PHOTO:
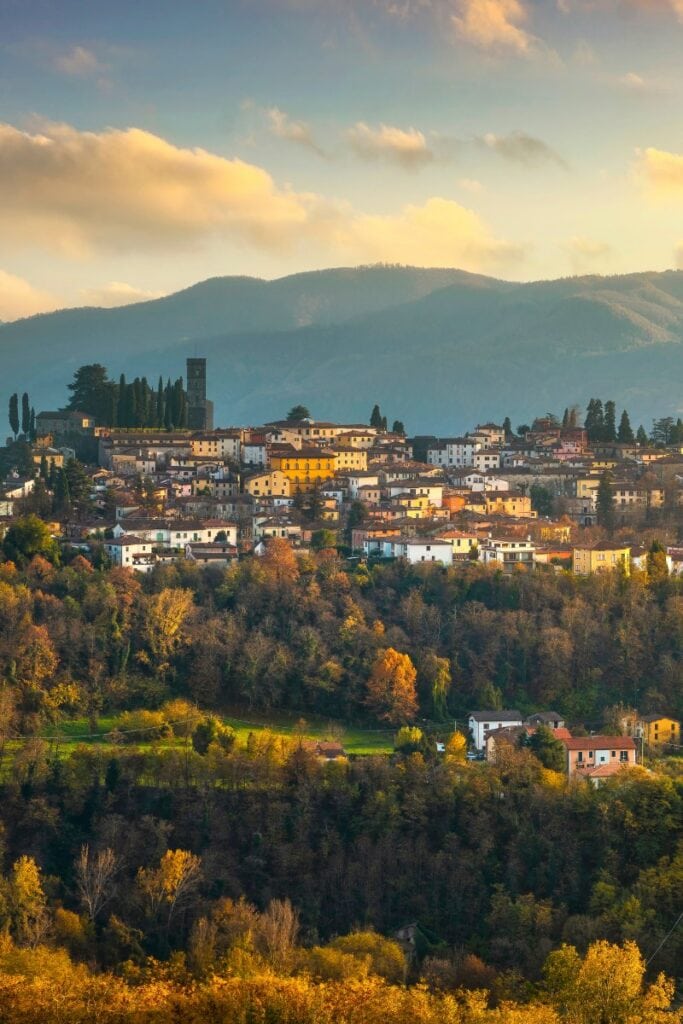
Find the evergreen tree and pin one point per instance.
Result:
(610, 422)
(507, 427)
(168, 405)
(625, 433)
(384, 424)
(32, 426)
(130, 412)
(90, 391)
(565, 419)
(160, 403)
(14, 414)
(595, 422)
(121, 402)
(25, 415)
(661, 430)
(62, 496)
(398, 428)
(641, 436)
(297, 413)
(376, 418)
(605, 502)
(44, 470)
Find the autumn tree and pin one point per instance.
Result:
(171, 887)
(391, 691)
(30, 919)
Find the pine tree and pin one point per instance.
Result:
(398, 428)
(594, 422)
(376, 418)
(641, 436)
(14, 414)
(625, 433)
(62, 497)
(32, 427)
(565, 419)
(507, 427)
(384, 424)
(168, 405)
(25, 415)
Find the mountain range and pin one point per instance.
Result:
(439, 349)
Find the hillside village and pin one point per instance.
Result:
(544, 497)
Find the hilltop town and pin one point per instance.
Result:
(574, 494)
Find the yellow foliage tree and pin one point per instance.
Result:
(392, 695)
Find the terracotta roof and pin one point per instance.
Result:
(599, 743)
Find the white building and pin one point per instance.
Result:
(480, 723)
(507, 552)
(454, 451)
(131, 552)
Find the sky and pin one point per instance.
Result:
(149, 144)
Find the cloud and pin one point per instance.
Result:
(83, 192)
(632, 81)
(661, 173)
(587, 254)
(18, 298)
(116, 293)
(119, 189)
(496, 26)
(470, 185)
(441, 232)
(299, 132)
(407, 147)
(79, 62)
(522, 148)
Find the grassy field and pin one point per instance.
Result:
(355, 740)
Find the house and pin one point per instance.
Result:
(267, 482)
(586, 753)
(462, 543)
(480, 723)
(658, 730)
(507, 553)
(423, 549)
(216, 555)
(601, 557)
(131, 552)
(66, 421)
(509, 734)
(551, 719)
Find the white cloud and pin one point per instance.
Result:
(282, 125)
(116, 293)
(79, 62)
(405, 146)
(632, 81)
(496, 26)
(470, 185)
(18, 298)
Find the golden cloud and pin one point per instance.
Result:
(496, 25)
(407, 147)
(77, 190)
(284, 127)
(660, 172)
(18, 298)
(82, 192)
(441, 232)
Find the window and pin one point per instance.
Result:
(614, 753)
(579, 756)
(623, 755)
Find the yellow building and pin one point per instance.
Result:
(657, 730)
(51, 455)
(304, 467)
(508, 503)
(586, 486)
(269, 483)
(601, 557)
(350, 458)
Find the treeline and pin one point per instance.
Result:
(386, 643)
(260, 858)
(128, 404)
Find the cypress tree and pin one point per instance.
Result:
(25, 415)
(121, 402)
(605, 502)
(160, 403)
(32, 428)
(625, 432)
(376, 418)
(610, 422)
(14, 414)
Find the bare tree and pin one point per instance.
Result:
(277, 931)
(96, 879)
